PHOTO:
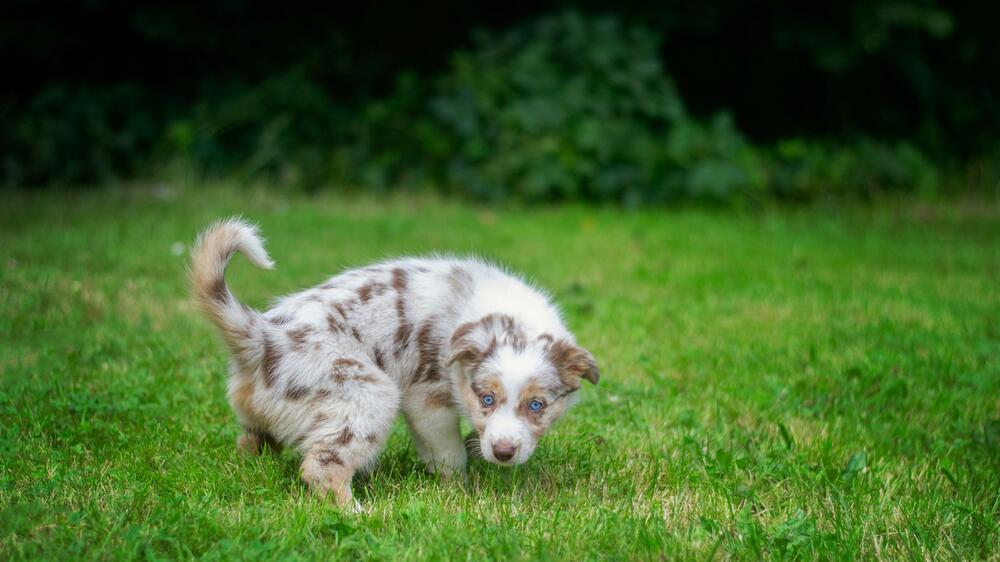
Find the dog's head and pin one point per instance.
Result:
(514, 387)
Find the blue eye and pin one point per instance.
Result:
(535, 405)
(487, 399)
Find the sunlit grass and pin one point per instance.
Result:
(814, 384)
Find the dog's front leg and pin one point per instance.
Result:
(437, 437)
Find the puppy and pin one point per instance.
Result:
(328, 369)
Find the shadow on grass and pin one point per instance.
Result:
(399, 471)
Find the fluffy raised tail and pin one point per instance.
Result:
(212, 252)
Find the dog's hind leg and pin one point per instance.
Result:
(352, 418)
(252, 442)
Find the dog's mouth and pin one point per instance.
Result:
(498, 462)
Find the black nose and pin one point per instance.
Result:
(504, 450)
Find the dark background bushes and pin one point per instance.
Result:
(723, 101)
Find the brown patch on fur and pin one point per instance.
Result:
(510, 333)
(356, 334)
(373, 288)
(345, 369)
(485, 385)
(438, 399)
(399, 279)
(342, 369)
(296, 392)
(464, 330)
(335, 325)
(533, 389)
(326, 474)
(297, 336)
(341, 310)
(505, 320)
(379, 358)
(321, 394)
(490, 349)
(402, 338)
(281, 319)
(218, 291)
(242, 396)
(428, 367)
(345, 362)
(269, 362)
(547, 338)
(242, 335)
(572, 363)
(371, 437)
(345, 437)
(328, 457)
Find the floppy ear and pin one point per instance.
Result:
(573, 363)
(471, 343)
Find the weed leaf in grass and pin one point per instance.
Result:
(855, 465)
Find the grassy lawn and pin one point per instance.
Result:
(804, 383)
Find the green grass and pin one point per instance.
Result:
(777, 384)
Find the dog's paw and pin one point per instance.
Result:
(459, 475)
(444, 473)
(249, 444)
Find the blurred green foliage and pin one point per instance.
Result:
(568, 106)
(81, 135)
(283, 128)
(803, 169)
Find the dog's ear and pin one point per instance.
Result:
(471, 343)
(573, 363)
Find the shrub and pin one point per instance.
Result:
(564, 107)
(802, 169)
(561, 108)
(284, 128)
(78, 135)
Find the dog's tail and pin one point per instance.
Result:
(212, 252)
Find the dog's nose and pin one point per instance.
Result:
(504, 450)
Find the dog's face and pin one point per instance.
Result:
(513, 388)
